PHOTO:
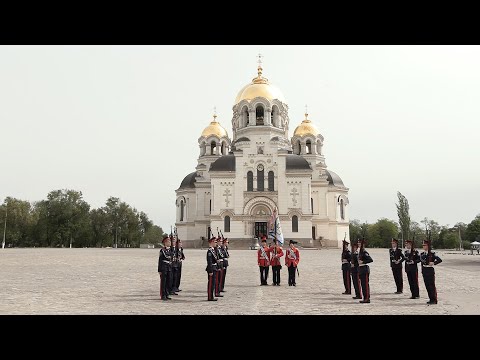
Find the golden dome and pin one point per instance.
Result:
(306, 128)
(259, 87)
(214, 129)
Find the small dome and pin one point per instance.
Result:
(224, 163)
(259, 87)
(214, 129)
(306, 128)
(189, 181)
(333, 178)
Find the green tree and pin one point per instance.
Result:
(154, 235)
(403, 215)
(434, 228)
(381, 233)
(19, 222)
(355, 230)
(473, 230)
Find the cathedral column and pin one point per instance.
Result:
(252, 118)
(303, 148)
(268, 116)
(314, 148)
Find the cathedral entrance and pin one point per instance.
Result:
(261, 229)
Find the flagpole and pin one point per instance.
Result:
(5, 227)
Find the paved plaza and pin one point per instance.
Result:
(125, 281)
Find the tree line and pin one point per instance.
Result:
(64, 219)
(381, 233)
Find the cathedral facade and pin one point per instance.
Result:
(239, 182)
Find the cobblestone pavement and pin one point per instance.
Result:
(125, 281)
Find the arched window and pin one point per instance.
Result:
(260, 179)
(309, 147)
(259, 112)
(250, 181)
(311, 204)
(294, 223)
(226, 224)
(271, 181)
(342, 210)
(213, 148)
(181, 210)
(210, 206)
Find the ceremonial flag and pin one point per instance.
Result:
(275, 228)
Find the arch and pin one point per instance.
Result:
(213, 148)
(260, 180)
(226, 224)
(250, 205)
(182, 210)
(271, 181)
(294, 223)
(308, 147)
(342, 209)
(250, 181)
(259, 114)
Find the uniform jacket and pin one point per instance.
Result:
(396, 255)
(425, 261)
(411, 265)
(211, 260)
(164, 260)
(346, 258)
(226, 255)
(263, 260)
(276, 253)
(219, 253)
(292, 257)
(354, 261)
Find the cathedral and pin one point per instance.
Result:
(239, 182)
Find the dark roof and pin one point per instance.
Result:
(275, 138)
(243, 139)
(189, 181)
(224, 163)
(296, 162)
(333, 178)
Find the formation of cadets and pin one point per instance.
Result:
(355, 267)
(170, 266)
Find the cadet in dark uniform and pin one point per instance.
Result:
(412, 258)
(218, 279)
(292, 258)
(354, 271)
(364, 258)
(276, 253)
(211, 268)
(428, 259)
(226, 255)
(396, 259)
(346, 258)
(263, 260)
(165, 268)
(174, 253)
(180, 258)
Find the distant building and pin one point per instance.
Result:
(238, 183)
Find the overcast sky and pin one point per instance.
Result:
(124, 120)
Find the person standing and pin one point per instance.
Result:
(165, 268)
(218, 279)
(174, 253)
(180, 258)
(211, 268)
(412, 258)
(364, 258)
(346, 258)
(292, 258)
(263, 260)
(276, 253)
(396, 259)
(226, 255)
(428, 259)
(354, 271)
